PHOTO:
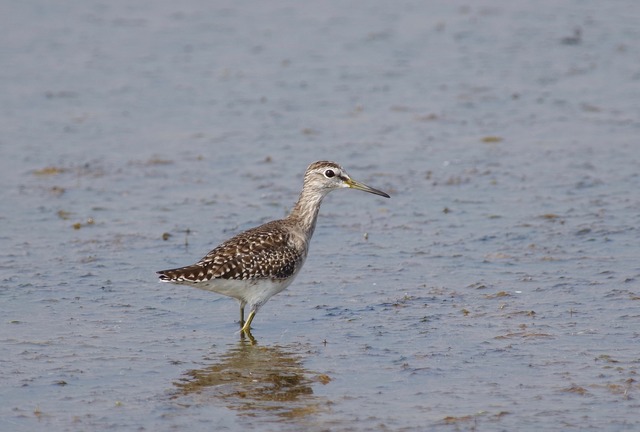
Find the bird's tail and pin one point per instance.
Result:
(193, 273)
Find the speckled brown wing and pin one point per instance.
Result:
(265, 252)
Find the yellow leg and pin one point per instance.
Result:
(241, 315)
(248, 334)
(247, 325)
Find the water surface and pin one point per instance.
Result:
(498, 289)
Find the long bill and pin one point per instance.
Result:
(363, 187)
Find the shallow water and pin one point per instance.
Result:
(498, 289)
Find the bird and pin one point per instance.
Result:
(261, 262)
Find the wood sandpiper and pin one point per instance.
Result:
(259, 263)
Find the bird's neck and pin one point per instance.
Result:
(305, 212)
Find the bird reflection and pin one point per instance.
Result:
(256, 381)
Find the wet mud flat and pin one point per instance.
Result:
(498, 289)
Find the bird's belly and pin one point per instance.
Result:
(252, 292)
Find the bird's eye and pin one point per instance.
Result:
(329, 173)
